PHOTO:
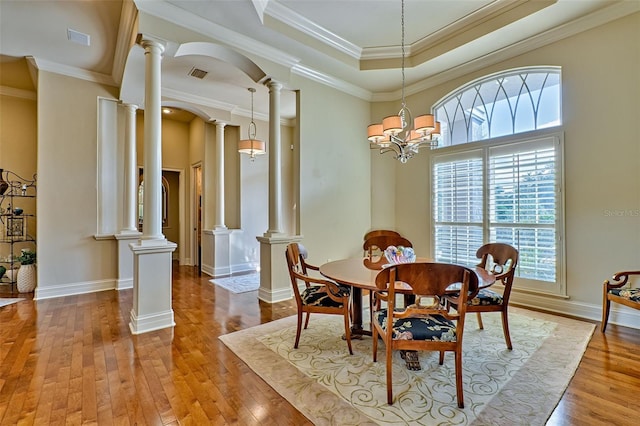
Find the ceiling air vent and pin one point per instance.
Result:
(198, 73)
(78, 37)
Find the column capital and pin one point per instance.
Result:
(220, 123)
(149, 44)
(130, 107)
(274, 85)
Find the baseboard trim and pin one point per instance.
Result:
(147, 323)
(49, 292)
(123, 284)
(274, 296)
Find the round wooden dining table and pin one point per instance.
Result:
(352, 272)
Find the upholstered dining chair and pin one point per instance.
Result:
(375, 246)
(619, 290)
(427, 324)
(501, 260)
(318, 295)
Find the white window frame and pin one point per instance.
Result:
(557, 287)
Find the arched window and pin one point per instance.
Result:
(492, 182)
(507, 103)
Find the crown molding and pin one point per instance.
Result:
(54, 67)
(300, 23)
(183, 18)
(333, 82)
(593, 20)
(18, 93)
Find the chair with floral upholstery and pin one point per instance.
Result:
(501, 260)
(375, 246)
(318, 295)
(620, 291)
(428, 323)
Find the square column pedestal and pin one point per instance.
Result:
(216, 252)
(151, 286)
(275, 283)
(125, 259)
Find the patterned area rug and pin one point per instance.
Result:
(239, 283)
(5, 302)
(501, 387)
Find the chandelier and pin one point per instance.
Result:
(252, 146)
(395, 134)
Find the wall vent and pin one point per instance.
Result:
(198, 73)
(78, 37)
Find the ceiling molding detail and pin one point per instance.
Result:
(127, 32)
(18, 93)
(183, 18)
(595, 19)
(300, 23)
(54, 67)
(333, 82)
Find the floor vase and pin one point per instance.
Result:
(26, 280)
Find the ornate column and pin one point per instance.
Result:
(220, 175)
(275, 161)
(275, 285)
(152, 253)
(129, 231)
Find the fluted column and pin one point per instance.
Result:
(152, 213)
(219, 219)
(275, 161)
(130, 170)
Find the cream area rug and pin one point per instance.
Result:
(501, 387)
(6, 301)
(239, 283)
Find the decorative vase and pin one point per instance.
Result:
(4, 185)
(26, 280)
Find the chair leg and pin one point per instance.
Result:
(306, 323)
(298, 329)
(374, 339)
(347, 329)
(606, 305)
(505, 329)
(459, 377)
(480, 325)
(441, 358)
(389, 355)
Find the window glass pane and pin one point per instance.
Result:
(457, 243)
(514, 102)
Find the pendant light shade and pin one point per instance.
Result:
(252, 146)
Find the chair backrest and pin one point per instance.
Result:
(429, 281)
(297, 267)
(374, 248)
(498, 258)
(379, 232)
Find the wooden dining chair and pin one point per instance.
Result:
(374, 248)
(427, 324)
(318, 295)
(619, 290)
(379, 232)
(501, 260)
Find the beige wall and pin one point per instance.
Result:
(68, 254)
(335, 189)
(601, 88)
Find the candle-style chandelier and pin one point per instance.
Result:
(395, 133)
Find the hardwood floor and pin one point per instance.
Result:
(72, 360)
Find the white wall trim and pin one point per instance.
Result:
(146, 323)
(619, 315)
(123, 284)
(70, 289)
(275, 296)
(18, 93)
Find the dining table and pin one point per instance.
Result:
(353, 272)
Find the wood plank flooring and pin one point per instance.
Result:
(73, 360)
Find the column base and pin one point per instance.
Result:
(216, 252)
(125, 258)
(151, 286)
(275, 283)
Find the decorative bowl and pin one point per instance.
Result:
(399, 254)
(17, 211)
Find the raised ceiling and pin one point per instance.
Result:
(353, 45)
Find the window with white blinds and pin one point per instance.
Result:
(502, 192)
